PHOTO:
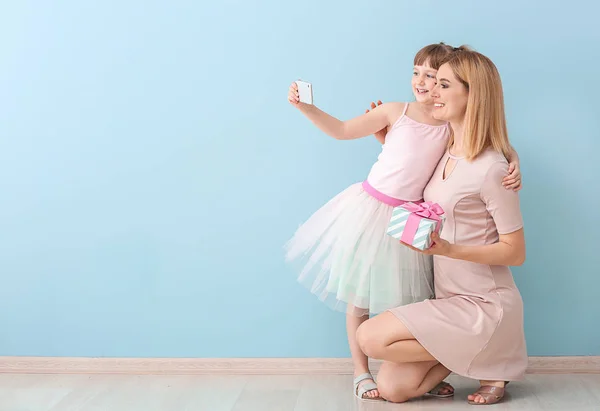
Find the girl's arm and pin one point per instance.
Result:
(381, 134)
(357, 127)
(513, 156)
(513, 180)
(361, 126)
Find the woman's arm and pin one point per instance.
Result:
(509, 250)
(503, 207)
(358, 127)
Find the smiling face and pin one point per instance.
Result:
(469, 96)
(423, 82)
(450, 96)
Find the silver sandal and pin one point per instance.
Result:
(435, 392)
(366, 387)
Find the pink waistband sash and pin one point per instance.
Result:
(384, 198)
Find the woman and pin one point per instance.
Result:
(474, 327)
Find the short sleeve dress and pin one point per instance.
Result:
(475, 325)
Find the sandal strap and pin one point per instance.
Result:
(490, 393)
(366, 387)
(362, 377)
(436, 390)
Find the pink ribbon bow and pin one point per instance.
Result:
(427, 209)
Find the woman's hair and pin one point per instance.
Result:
(433, 54)
(485, 120)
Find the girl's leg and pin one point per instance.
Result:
(401, 382)
(360, 360)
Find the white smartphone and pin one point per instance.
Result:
(305, 91)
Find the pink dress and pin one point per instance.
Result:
(343, 253)
(474, 327)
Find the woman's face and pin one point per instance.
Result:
(450, 96)
(423, 81)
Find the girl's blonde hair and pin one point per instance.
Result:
(485, 120)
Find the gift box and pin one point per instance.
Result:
(413, 223)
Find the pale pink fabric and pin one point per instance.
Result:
(475, 325)
(408, 158)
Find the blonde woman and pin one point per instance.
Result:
(474, 327)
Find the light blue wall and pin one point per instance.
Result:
(151, 169)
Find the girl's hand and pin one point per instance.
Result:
(439, 247)
(513, 179)
(293, 95)
(379, 135)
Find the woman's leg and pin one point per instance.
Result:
(490, 397)
(385, 337)
(360, 360)
(401, 382)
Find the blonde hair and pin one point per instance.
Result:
(433, 54)
(485, 120)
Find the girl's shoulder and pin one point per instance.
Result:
(395, 110)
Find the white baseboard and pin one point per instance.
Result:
(233, 366)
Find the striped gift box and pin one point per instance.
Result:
(419, 227)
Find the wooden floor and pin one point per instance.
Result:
(266, 393)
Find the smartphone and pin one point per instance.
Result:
(305, 91)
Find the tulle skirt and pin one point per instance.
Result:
(349, 262)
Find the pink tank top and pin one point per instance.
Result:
(408, 159)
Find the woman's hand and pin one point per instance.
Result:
(509, 250)
(439, 247)
(379, 135)
(513, 180)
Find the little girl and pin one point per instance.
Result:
(348, 260)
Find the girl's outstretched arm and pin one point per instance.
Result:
(361, 126)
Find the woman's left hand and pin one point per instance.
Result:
(379, 135)
(439, 247)
(513, 180)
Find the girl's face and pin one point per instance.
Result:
(450, 96)
(423, 81)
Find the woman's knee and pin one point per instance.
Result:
(402, 382)
(367, 340)
(392, 391)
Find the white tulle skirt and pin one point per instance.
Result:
(349, 262)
